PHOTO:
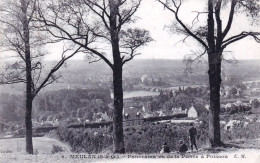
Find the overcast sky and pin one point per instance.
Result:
(153, 17)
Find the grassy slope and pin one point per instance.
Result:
(42, 144)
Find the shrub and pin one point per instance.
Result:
(56, 149)
(146, 139)
(36, 152)
(251, 131)
(53, 134)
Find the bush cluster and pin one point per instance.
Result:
(147, 138)
(56, 149)
(240, 131)
(84, 140)
(150, 138)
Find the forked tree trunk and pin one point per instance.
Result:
(215, 82)
(214, 61)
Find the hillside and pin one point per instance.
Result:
(43, 145)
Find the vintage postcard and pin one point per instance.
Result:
(130, 80)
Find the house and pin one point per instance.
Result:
(179, 110)
(145, 108)
(238, 106)
(229, 126)
(207, 107)
(160, 113)
(222, 123)
(147, 115)
(105, 117)
(168, 112)
(102, 117)
(197, 110)
(192, 112)
(132, 116)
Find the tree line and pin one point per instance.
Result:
(60, 105)
(90, 27)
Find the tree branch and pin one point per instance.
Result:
(103, 9)
(219, 24)
(230, 19)
(53, 70)
(65, 35)
(181, 23)
(241, 36)
(128, 14)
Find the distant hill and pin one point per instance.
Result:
(78, 71)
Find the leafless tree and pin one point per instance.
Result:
(99, 27)
(214, 37)
(21, 38)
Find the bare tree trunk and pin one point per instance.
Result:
(28, 124)
(117, 81)
(29, 91)
(118, 98)
(118, 109)
(215, 82)
(29, 100)
(29, 97)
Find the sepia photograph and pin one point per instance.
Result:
(129, 81)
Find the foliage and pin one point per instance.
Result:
(56, 104)
(11, 108)
(84, 140)
(184, 98)
(255, 104)
(56, 149)
(147, 138)
(240, 131)
(68, 100)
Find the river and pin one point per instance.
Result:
(131, 94)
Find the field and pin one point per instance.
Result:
(42, 145)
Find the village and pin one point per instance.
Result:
(238, 101)
(168, 105)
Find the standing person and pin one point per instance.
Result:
(193, 135)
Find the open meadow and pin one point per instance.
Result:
(42, 145)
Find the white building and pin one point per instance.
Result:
(192, 112)
(231, 124)
(197, 110)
